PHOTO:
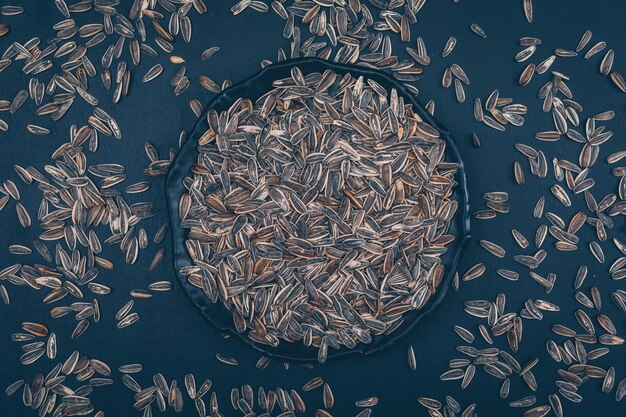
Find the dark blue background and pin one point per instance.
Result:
(172, 337)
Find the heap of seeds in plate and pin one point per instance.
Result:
(320, 212)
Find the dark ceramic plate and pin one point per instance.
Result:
(253, 88)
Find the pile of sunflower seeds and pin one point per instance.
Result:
(78, 199)
(351, 32)
(579, 350)
(320, 212)
(52, 393)
(65, 67)
(451, 407)
(285, 402)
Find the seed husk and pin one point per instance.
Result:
(411, 358)
(478, 30)
(528, 10)
(493, 248)
(152, 73)
(449, 47)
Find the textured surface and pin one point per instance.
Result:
(174, 339)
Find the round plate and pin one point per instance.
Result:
(253, 88)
